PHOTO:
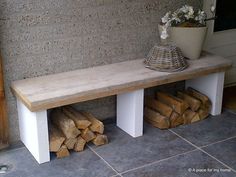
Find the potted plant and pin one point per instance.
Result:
(186, 28)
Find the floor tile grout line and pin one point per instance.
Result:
(117, 173)
(183, 138)
(158, 161)
(203, 151)
(221, 141)
(230, 111)
(218, 160)
(232, 137)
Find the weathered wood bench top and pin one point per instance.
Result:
(56, 90)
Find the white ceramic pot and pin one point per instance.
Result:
(190, 40)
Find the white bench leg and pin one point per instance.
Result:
(130, 112)
(212, 86)
(34, 132)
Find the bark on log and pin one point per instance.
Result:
(80, 120)
(158, 106)
(97, 125)
(177, 104)
(156, 119)
(66, 125)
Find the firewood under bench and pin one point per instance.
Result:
(126, 79)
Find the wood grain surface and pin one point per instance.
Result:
(3, 112)
(66, 88)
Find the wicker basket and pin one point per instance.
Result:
(167, 58)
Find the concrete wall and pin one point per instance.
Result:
(50, 36)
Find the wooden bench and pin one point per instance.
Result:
(127, 80)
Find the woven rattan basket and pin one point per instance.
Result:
(167, 58)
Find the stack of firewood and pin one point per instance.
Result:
(168, 111)
(71, 130)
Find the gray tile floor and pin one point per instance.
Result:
(203, 149)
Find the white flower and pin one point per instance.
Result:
(164, 34)
(187, 16)
(190, 13)
(201, 17)
(190, 10)
(213, 8)
(175, 17)
(184, 14)
(166, 18)
(186, 9)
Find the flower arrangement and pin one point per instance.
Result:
(185, 16)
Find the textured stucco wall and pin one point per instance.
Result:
(50, 36)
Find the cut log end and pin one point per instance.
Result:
(190, 116)
(96, 126)
(70, 143)
(79, 145)
(63, 152)
(87, 135)
(100, 140)
(64, 131)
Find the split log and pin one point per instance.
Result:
(66, 125)
(97, 125)
(177, 104)
(158, 106)
(56, 139)
(70, 142)
(203, 98)
(203, 114)
(87, 135)
(80, 120)
(176, 119)
(62, 152)
(190, 116)
(204, 111)
(193, 102)
(79, 145)
(100, 140)
(206, 107)
(156, 119)
(206, 103)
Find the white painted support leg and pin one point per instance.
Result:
(130, 112)
(211, 85)
(34, 132)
